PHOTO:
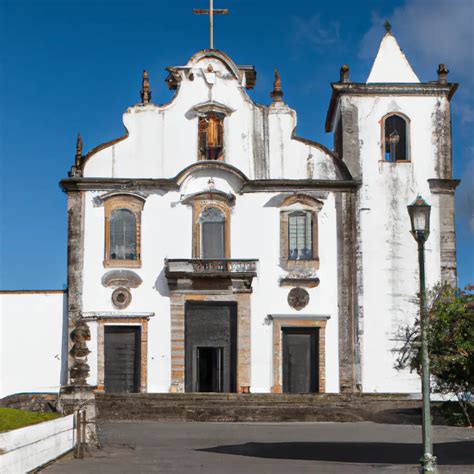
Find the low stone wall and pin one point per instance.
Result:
(42, 402)
(27, 448)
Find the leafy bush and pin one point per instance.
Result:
(450, 343)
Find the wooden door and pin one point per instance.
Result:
(300, 360)
(122, 359)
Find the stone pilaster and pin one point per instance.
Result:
(349, 350)
(75, 264)
(444, 189)
(76, 394)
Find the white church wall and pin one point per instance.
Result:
(31, 331)
(163, 142)
(163, 139)
(167, 233)
(389, 252)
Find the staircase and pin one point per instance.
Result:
(233, 407)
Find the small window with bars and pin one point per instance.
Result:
(300, 245)
(211, 137)
(395, 138)
(122, 235)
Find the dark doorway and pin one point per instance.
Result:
(300, 360)
(122, 359)
(209, 366)
(210, 347)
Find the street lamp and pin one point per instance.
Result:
(419, 212)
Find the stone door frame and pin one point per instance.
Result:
(178, 300)
(281, 321)
(108, 319)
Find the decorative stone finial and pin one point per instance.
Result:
(443, 74)
(276, 94)
(146, 90)
(388, 26)
(344, 74)
(78, 150)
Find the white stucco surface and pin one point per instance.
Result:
(389, 252)
(156, 148)
(27, 448)
(250, 211)
(391, 64)
(31, 341)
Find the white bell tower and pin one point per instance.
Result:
(394, 134)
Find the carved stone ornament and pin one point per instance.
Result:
(80, 369)
(121, 278)
(121, 298)
(277, 94)
(298, 298)
(145, 92)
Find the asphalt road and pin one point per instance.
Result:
(288, 448)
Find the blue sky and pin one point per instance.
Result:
(69, 66)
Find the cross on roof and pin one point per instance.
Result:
(211, 12)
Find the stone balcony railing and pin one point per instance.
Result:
(205, 267)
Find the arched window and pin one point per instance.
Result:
(300, 245)
(212, 223)
(211, 136)
(299, 233)
(122, 235)
(395, 138)
(123, 213)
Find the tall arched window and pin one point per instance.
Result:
(123, 213)
(299, 233)
(212, 223)
(211, 136)
(122, 235)
(300, 245)
(395, 138)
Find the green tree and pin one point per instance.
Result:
(450, 341)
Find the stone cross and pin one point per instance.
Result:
(211, 12)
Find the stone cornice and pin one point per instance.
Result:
(396, 89)
(171, 184)
(277, 185)
(443, 186)
(303, 317)
(95, 315)
(120, 184)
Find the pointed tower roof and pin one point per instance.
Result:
(390, 64)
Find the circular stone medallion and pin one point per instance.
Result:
(121, 298)
(298, 298)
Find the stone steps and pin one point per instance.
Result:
(258, 407)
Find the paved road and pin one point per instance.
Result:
(288, 448)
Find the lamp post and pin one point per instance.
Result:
(419, 212)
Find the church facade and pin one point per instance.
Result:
(211, 249)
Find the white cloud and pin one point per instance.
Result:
(430, 32)
(465, 194)
(310, 32)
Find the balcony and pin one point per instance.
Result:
(224, 272)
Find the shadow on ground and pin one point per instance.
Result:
(455, 453)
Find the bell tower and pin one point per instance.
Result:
(394, 134)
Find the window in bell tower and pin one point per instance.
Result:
(395, 138)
